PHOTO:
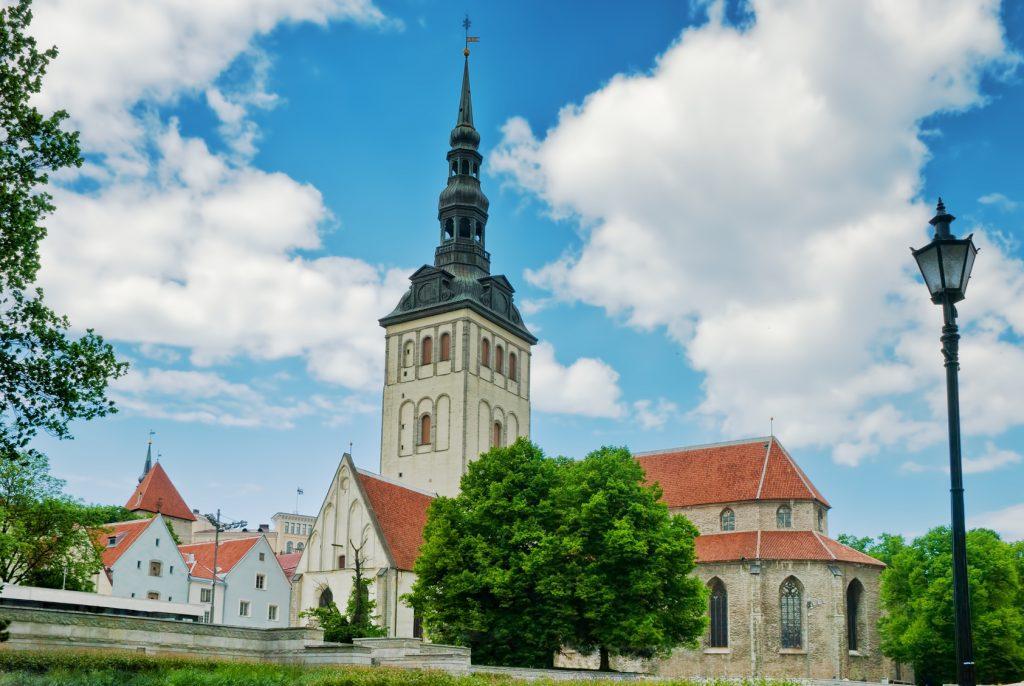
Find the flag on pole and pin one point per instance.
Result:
(299, 491)
(472, 39)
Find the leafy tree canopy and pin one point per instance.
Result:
(47, 376)
(917, 596)
(537, 553)
(357, 622)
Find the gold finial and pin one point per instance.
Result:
(465, 51)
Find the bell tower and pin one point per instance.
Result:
(457, 360)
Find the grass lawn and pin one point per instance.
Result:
(109, 668)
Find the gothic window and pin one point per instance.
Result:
(853, 595)
(719, 610)
(449, 229)
(791, 614)
(485, 353)
(499, 359)
(512, 366)
(728, 518)
(408, 354)
(446, 347)
(463, 227)
(427, 352)
(326, 598)
(425, 430)
(496, 437)
(784, 517)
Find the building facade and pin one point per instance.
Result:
(291, 531)
(141, 560)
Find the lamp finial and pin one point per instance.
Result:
(941, 221)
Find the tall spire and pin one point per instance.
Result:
(466, 101)
(149, 457)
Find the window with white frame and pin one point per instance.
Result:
(205, 595)
(243, 608)
(261, 581)
(272, 613)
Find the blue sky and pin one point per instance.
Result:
(705, 210)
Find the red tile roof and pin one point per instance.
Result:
(757, 469)
(401, 513)
(199, 556)
(777, 545)
(156, 493)
(124, 534)
(288, 561)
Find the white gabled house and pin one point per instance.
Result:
(141, 560)
(252, 588)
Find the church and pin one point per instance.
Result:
(785, 599)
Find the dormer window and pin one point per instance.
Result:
(111, 541)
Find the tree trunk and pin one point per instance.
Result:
(605, 661)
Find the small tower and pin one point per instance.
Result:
(457, 367)
(149, 457)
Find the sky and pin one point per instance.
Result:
(705, 209)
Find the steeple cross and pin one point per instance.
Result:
(466, 23)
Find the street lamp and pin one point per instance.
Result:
(946, 264)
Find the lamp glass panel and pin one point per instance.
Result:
(971, 252)
(928, 260)
(954, 257)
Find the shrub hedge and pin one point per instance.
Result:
(115, 668)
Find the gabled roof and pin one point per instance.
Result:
(754, 469)
(288, 562)
(123, 533)
(156, 493)
(199, 556)
(777, 545)
(401, 515)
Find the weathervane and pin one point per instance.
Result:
(466, 23)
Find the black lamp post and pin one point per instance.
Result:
(946, 265)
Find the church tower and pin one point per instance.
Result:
(457, 363)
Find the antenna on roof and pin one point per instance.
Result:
(771, 427)
(350, 447)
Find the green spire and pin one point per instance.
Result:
(149, 457)
(466, 101)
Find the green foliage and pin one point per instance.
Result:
(882, 548)
(626, 561)
(486, 574)
(44, 534)
(108, 514)
(116, 668)
(5, 635)
(357, 622)
(917, 596)
(536, 553)
(47, 378)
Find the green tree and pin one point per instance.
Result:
(487, 574)
(47, 377)
(357, 622)
(917, 597)
(627, 562)
(44, 534)
(883, 548)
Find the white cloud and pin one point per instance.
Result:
(588, 387)
(992, 459)
(652, 414)
(209, 398)
(999, 200)
(1009, 521)
(116, 54)
(754, 195)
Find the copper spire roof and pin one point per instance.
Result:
(754, 469)
(156, 493)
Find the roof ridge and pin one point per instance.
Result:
(822, 544)
(764, 467)
(803, 477)
(701, 446)
(220, 543)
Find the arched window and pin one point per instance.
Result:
(512, 366)
(463, 227)
(289, 547)
(485, 352)
(446, 347)
(496, 437)
(719, 610)
(499, 359)
(784, 517)
(465, 166)
(728, 518)
(326, 598)
(476, 169)
(854, 592)
(821, 519)
(449, 229)
(407, 354)
(427, 352)
(479, 235)
(300, 546)
(425, 430)
(791, 614)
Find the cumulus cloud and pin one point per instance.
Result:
(589, 387)
(651, 414)
(754, 194)
(1009, 521)
(992, 459)
(999, 200)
